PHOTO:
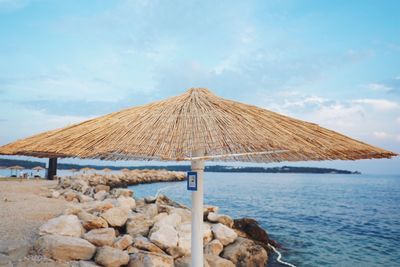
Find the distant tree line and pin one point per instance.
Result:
(215, 168)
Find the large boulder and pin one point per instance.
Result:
(217, 218)
(138, 225)
(123, 242)
(101, 237)
(117, 192)
(97, 206)
(184, 235)
(186, 262)
(67, 248)
(102, 187)
(164, 236)
(223, 233)
(111, 257)
(150, 259)
(90, 221)
(87, 264)
(254, 231)
(172, 220)
(215, 247)
(150, 210)
(127, 202)
(115, 216)
(245, 252)
(143, 243)
(101, 195)
(68, 225)
(217, 261)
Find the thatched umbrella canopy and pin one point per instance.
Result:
(196, 126)
(124, 170)
(16, 167)
(86, 169)
(173, 128)
(38, 168)
(73, 170)
(106, 170)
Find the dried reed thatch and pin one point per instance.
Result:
(196, 120)
(16, 167)
(106, 170)
(38, 168)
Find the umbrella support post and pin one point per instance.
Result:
(52, 170)
(197, 213)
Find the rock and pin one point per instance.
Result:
(150, 210)
(245, 252)
(127, 202)
(138, 225)
(5, 261)
(208, 208)
(101, 237)
(102, 187)
(164, 200)
(115, 216)
(216, 218)
(254, 231)
(186, 262)
(185, 214)
(83, 198)
(217, 261)
(123, 242)
(97, 206)
(14, 249)
(90, 221)
(171, 220)
(131, 250)
(80, 186)
(150, 259)
(150, 200)
(55, 194)
(60, 247)
(101, 195)
(177, 252)
(111, 257)
(72, 210)
(70, 196)
(117, 192)
(184, 234)
(215, 247)
(164, 236)
(68, 225)
(143, 243)
(223, 233)
(88, 264)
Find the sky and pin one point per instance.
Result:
(334, 63)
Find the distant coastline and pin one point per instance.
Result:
(215, 168)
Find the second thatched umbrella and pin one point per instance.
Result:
(196, 126)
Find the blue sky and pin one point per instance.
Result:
(335, 63)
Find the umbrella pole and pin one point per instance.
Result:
(197, 213)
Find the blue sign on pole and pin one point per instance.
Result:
(192, 181)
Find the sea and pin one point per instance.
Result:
(320, 220)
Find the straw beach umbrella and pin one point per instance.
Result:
(85, 169)
(196, 126)
(16, 168)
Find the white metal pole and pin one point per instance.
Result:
(197, 212)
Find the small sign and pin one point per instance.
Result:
(192, 181)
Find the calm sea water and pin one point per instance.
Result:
(321, 220)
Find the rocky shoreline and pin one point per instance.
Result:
(105, 226)
(130, 177)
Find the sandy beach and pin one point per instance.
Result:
(23, 208)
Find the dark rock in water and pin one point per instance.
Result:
(254, 231)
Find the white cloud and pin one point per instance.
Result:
(398, 120)
(378, 104)
(378, 87)
(382, 135)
